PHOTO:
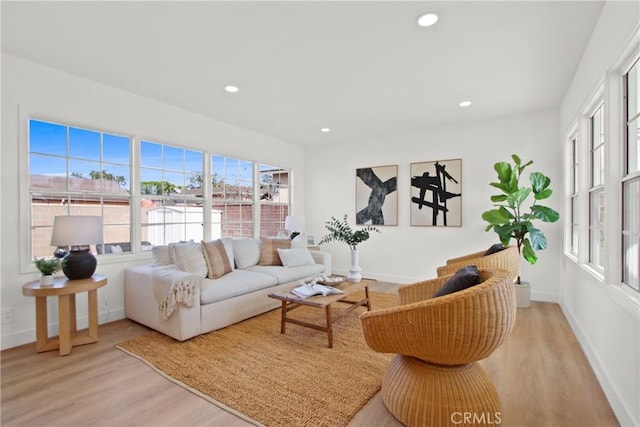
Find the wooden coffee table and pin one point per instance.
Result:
(291, 302)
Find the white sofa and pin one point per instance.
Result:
(231, 298)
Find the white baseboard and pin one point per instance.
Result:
(544, 297)
(625, 416)
(29, 335)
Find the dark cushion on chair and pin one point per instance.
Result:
(464, 278)
(494, 249)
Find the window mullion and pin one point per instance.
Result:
(136, 196)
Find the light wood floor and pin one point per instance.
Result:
(541, 374)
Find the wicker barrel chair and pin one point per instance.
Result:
(435, 375)
(506, 259)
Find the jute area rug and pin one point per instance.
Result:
(272, 379)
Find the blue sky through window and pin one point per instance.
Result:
(82, 147)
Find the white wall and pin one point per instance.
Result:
(404, 253)
(30, 89)
(605, 318)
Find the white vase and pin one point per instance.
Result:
(354, 268)
(46, 280)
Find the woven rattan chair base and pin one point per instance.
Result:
(418, 393)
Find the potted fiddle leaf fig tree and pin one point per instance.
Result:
(514, 214)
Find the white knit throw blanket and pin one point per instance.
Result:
(171, 287)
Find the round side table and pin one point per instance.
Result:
(66, 291)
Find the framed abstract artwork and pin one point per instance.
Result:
(436, 193)
(377, 195)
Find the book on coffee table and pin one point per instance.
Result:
(306, 291)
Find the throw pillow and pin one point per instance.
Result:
(161, 255)
(116, 249)
(464, 278)
(189, 258)
(215, 255)
(228, 245)
(246, 252)
(269, 250)
(494, 249)
(295, 257)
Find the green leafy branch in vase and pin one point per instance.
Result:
(341, 231)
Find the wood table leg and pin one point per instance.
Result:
(366, 295)
(64, 323)
(283, 318)
(73, 325)
(93, 314)
(42, 327)
(329, 326)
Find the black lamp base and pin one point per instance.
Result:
(79, 264)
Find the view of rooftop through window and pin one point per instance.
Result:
(76, 171)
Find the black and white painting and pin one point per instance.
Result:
(377, 195)
(436, 193)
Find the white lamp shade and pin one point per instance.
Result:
(294, 223)
(77, 230)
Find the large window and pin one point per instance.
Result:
(75, 171)
(274, 200)
(171, 190)
(596, 191)
(631, 182)
(232, 197)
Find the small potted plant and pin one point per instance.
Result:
(47, 266)
(511, 219)
(341, 231)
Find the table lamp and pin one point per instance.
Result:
(295, 224)
(77, 232)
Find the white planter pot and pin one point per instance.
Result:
(354, 268)
(46, 280)
(523, 294)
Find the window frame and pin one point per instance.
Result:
(573, 194)
(278, 207)
(182, 199)
(595, 227)
(628, 176)
(25, 218)
(99, 197)
(239, 202)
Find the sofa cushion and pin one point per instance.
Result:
(246, 252)
(464, 278)
(228, 245)
(238, 282)
(216, 258)
(284, 275)
(295, 257)
(189, 257)
(269, 250)
(161, 255)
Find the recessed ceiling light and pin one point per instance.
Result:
(231, 89)
(325, 130)
(465, 103)
(427, 19)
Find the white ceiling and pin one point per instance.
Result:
(361, 68)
